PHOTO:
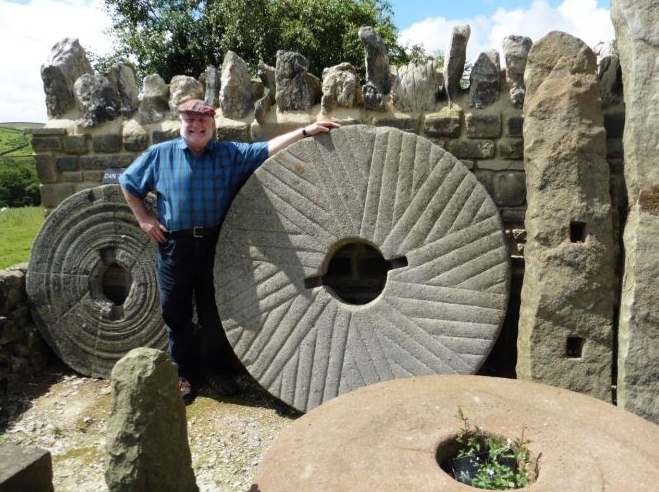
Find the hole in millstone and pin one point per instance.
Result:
(574, 347)
(116, 282)
(577, 232)
(487, 461)
(357, 273)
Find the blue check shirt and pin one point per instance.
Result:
(193, 191)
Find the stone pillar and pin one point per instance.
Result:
(147, 437)
(565, 323)
(637, 32)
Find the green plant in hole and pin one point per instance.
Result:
(57, 432)
(507, 463)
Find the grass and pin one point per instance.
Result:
(19, 228)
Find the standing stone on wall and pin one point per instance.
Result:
(637, 32)
(340, 87)
(122, 75)
(378, 78)
(293, 92)
(155, 99)
(454, 62)
(236, 87)
(262, 106)
(147, 437)
(67, 62)
(97, 99)
(516, 51)
(566, 313)
(212, 86)
(609, 73)
(485, 80)
(415, 87)
(315, 87)
(183, 88)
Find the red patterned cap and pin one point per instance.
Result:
(196, 106)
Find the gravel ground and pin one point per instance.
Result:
(67, 414)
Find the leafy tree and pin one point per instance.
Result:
(183, 37)
(19, 186)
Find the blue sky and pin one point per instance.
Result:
(420, 21)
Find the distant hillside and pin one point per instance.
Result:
(13, 142)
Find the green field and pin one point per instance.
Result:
(19, 225)
(19, 228)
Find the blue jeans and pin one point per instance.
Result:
(185, 274)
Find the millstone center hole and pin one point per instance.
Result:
(492, 462)
(357, 273)
(116, 282)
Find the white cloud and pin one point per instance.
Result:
(581, 18)
(27, 34)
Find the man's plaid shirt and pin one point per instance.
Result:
(193, 191)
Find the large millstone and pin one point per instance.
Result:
(390, 437)
(92, 284)
(362, 255)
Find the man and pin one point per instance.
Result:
(195, 178)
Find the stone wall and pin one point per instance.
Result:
(22, 349)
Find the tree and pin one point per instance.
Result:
(19, 186)
(183, 37)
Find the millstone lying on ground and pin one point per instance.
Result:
(443, 301)
(390, 436)
(91, 282)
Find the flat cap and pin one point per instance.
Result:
(196, 106)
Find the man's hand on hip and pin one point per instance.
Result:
(154, 229)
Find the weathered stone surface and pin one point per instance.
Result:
(609, 73)
(415, 86)
(212, 84)
(76, 144)
(53, 194)
(315, 87)
(135, 136)
(378, 78)
(262, 106)
(46, 168)
(155, 100)
(454, 62)
(102, 162)
(122, 75)
(68, 163)
(511, 148)
(25, 469)
(485, 80)
(45, 144)
(515, 126)
(147, 436)
(516, 51)
(509, 189)
(91, 282)
(236, 87)
(471, 149)
(566, 313)
(446, 123)
(97, 99)
(341, 87)
(106, 143)
(183, 88)
(292, 90)
(360, 185)
(67, 62)
(483, 125)
(637, 32)
(388, 437)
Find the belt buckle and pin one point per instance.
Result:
(197, 232)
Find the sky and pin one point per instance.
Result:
(30, 28)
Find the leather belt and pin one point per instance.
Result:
(195, 232)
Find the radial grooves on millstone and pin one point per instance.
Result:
(392, 190)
